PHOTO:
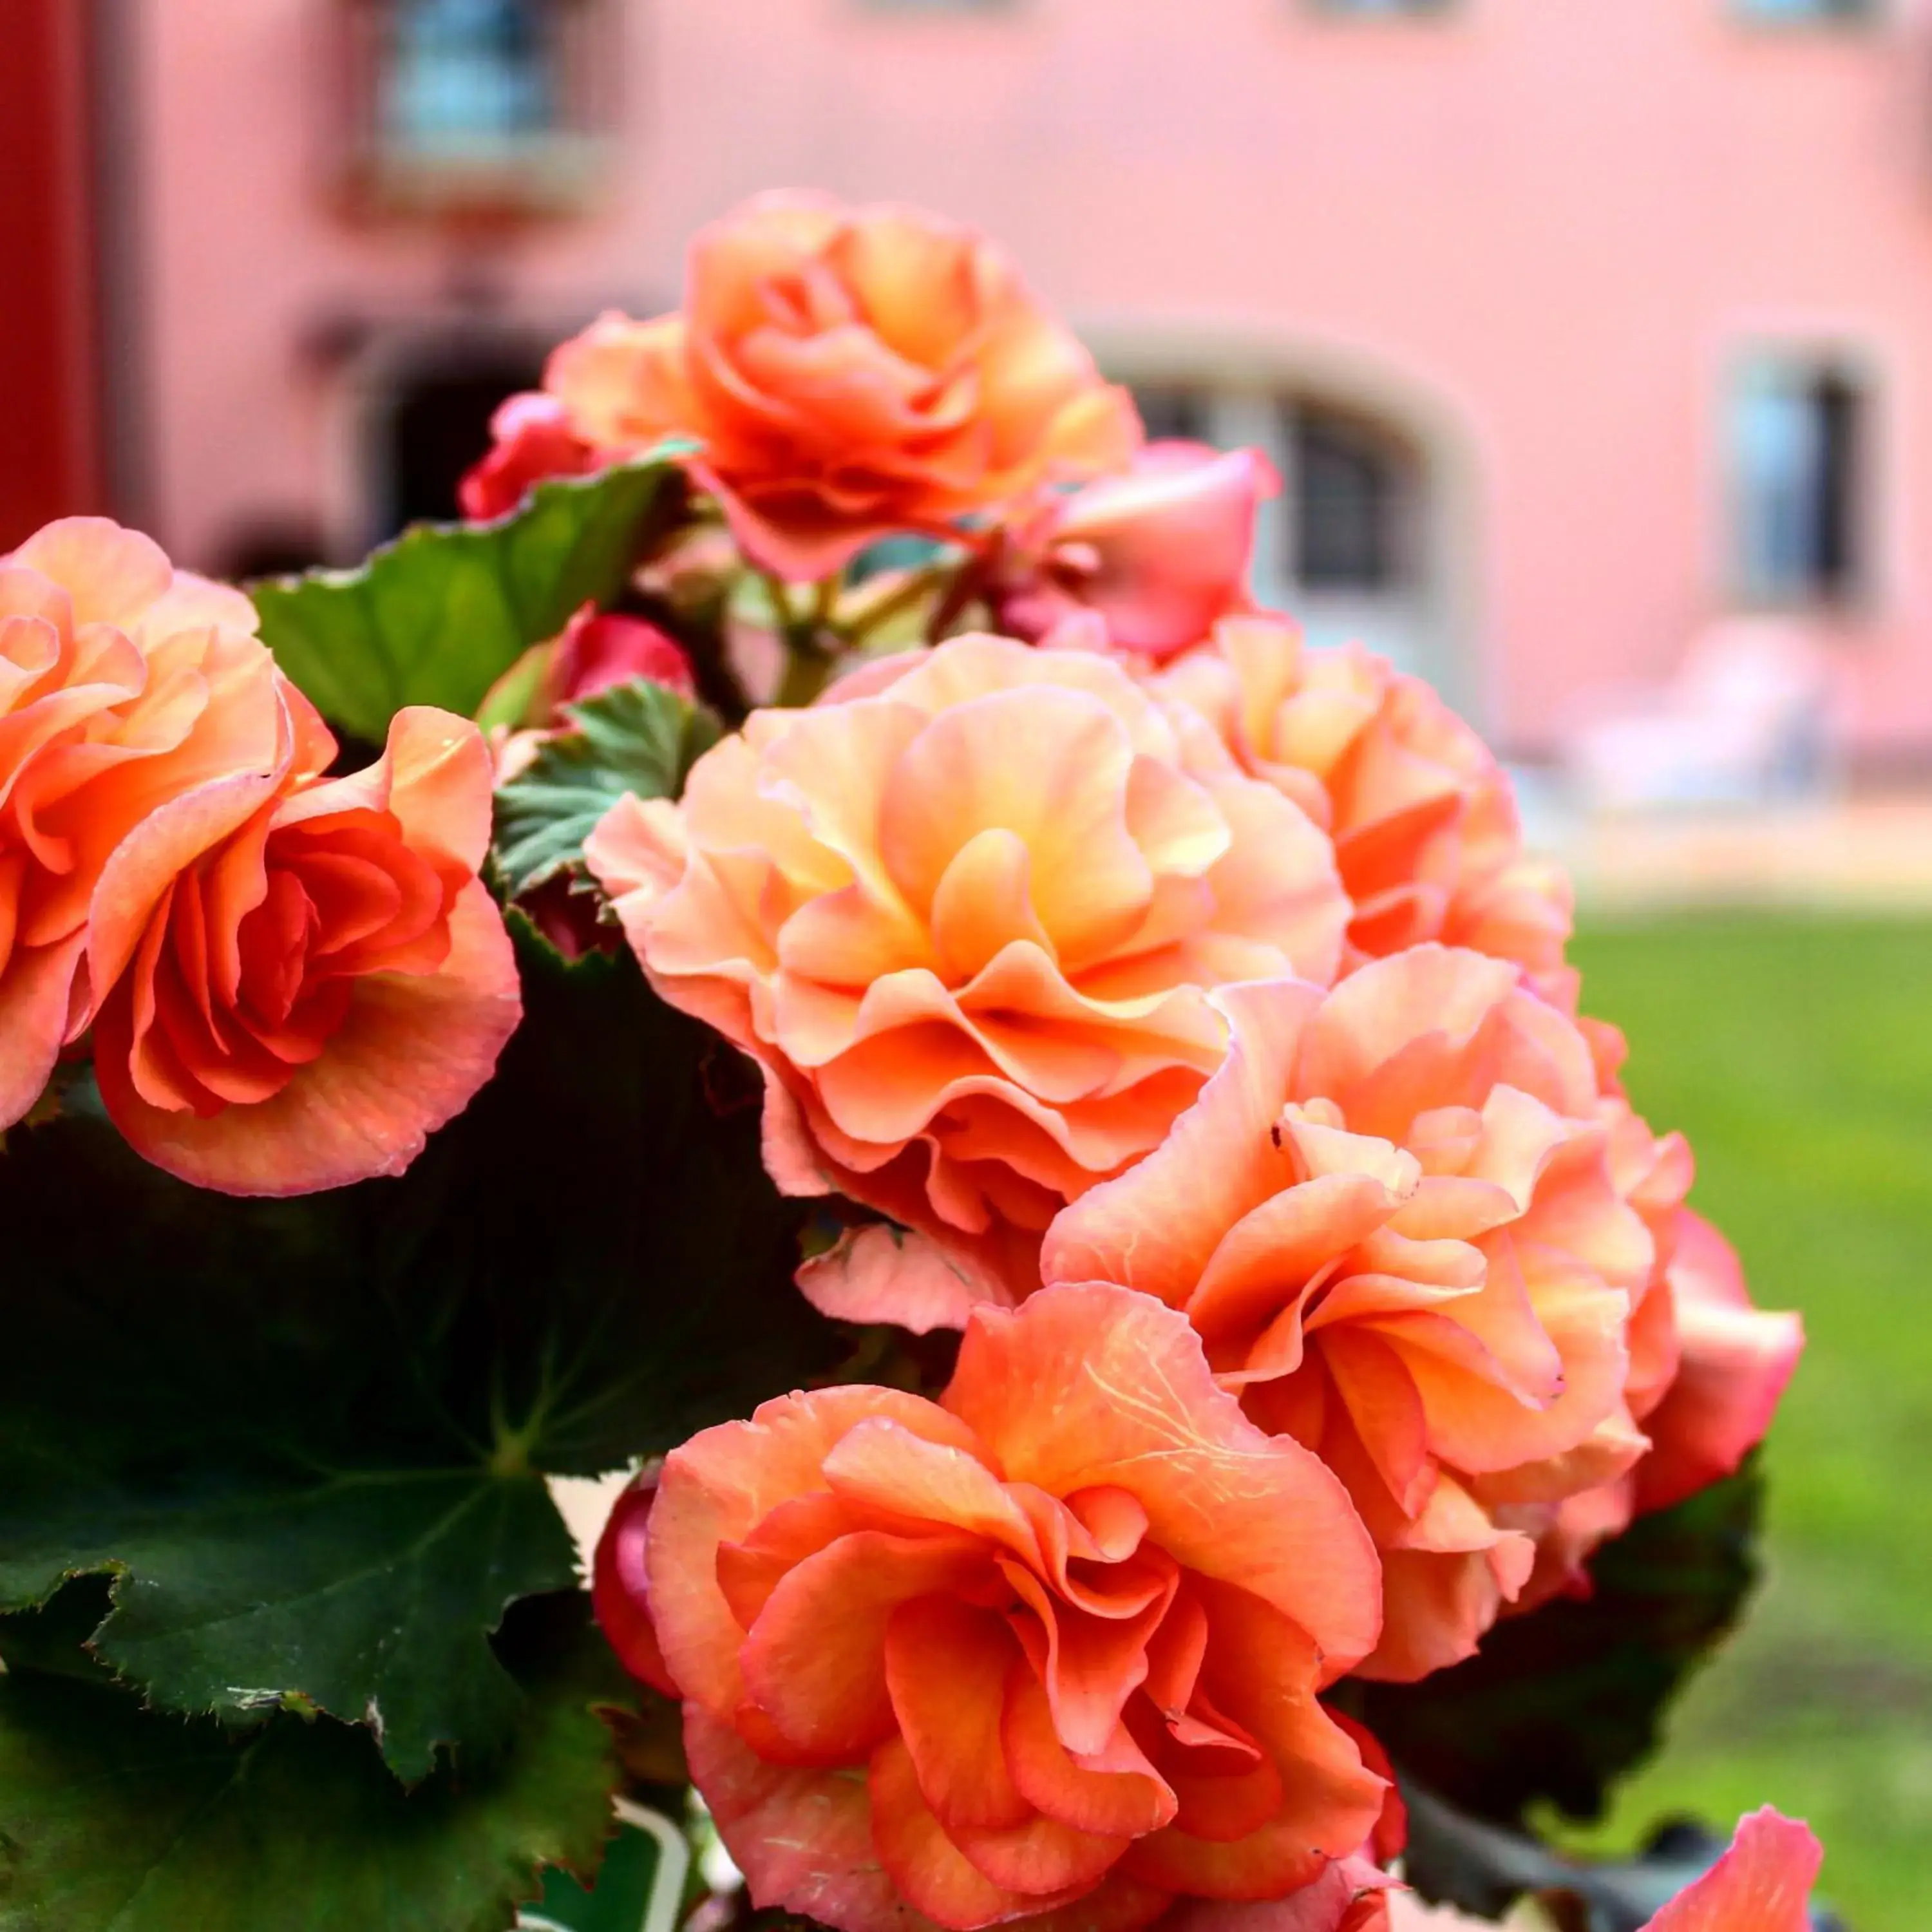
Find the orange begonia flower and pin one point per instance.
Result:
(1423, 818)
(308, 976)
(965, 913)
(124, 684)
(1047, 1651)
(847, 373)
(1394, 1217)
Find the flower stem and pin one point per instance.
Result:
(787, 625)
(902, 596)
(807, 636)
(976, 568)
(807, 672)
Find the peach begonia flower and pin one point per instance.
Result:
(1161, 552)
(965, 913)
(847, 373)
(124, 684)
(307, 975)
(1762, 1884)
(1045, 1652)
(1423, 820)
(1393, 1216)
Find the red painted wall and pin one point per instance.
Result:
(49, 463)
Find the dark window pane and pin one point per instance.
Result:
(270, 546)
(1836, 402)
(1351, 504)
(1172, 412)
(1797, 433)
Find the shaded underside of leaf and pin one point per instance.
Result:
(306, 1438)
(114, 1819)
(351, 1588)
(439, 614)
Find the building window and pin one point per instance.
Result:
(1351, 547)
(1351, 504)
(1797, 432)
(476, 106)
(464, 74)
(1346, 522)
(1175, 415)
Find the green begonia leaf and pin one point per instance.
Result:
(438, 615)
(639, 736)
(116, 1819)
(1558, 1705)
(306, 1438)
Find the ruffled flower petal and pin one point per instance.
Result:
(1395, 1217)
(965, 914)
(1047, 1655)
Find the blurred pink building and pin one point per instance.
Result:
(1574, 325)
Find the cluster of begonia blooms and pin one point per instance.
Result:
(1170, 1007)
(1183, 1005)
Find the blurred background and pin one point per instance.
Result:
(1592, 340)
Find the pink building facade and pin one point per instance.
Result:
(1576, 324)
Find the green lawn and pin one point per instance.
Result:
(1797, 1054)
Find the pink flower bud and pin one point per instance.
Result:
(534, 440)
(1161, 552)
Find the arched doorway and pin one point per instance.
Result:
(1369, 541)
(428, 421)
